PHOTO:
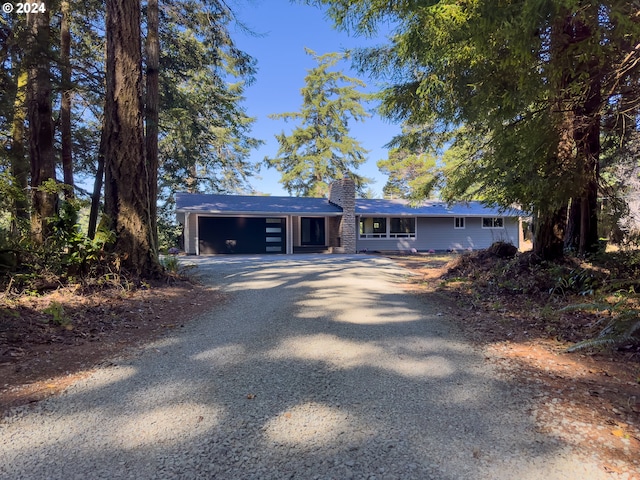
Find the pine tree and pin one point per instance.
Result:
(320, 150)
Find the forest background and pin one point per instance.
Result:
(146, 98)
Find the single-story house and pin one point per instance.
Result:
(342, 223)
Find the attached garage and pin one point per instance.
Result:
(247, 235)
(250, 225)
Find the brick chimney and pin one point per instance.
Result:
(343, 194)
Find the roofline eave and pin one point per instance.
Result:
(258, 214)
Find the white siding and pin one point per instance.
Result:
(438, 233)
(190, 243)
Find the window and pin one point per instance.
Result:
(383, 227)
(373, 227)
(458, 222)
(496, 222)
(402, 227)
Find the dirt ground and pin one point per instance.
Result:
(48, 342)
(588, 399)
(591, 400)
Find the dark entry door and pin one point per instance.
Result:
(312, 231)
(241, 235)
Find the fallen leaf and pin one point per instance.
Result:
(251, 396)
(618, 432)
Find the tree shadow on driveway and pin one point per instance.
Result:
(316, 367)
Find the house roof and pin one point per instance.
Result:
(266, 205)
(429, 208)
(251, 204)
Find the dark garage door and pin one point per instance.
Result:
(241, 235)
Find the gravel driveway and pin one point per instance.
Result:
(316, 367)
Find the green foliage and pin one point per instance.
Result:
(577, 280)
(622, 323)
(170, 263)
(510, 86)
(204, 141)
(66, 256)
(59, 316)
(411, 175)
(319, 150)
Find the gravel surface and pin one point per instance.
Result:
(318, 367)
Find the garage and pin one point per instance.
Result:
(244, 235)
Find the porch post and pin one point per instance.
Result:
(289, 236)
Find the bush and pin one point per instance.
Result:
(66, 256)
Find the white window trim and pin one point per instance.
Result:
(388, 235)
(299, 232)
(493, 227)
(464, 223)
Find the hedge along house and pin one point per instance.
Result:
(226, 224)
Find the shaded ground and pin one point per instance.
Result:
(47, 342)
(591, 399)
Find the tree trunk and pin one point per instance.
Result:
(574, 220)
(97, 187)
(19, 160)
(548, 235)
(43, 202)
(585, 106)
(588, 145)
(127, 197)
(151, 112)
(65, 102)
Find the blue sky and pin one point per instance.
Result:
(285, 29)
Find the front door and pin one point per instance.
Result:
(312, 231)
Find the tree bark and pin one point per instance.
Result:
(42, 153)
(574, 220)
(127, 197)
(97, 187)
(588, 145)
(548, 235)
(65, 102)
(586, 105)
(19, 161)
(151, 112)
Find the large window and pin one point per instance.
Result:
(496, 222)
(387, 227)
(373, 227)
(402, 227)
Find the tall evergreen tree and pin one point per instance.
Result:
(41, 128)
(66, 96)
(528, 80)
(127, 195)
(152, 104)
(411, 175)
(320, 149)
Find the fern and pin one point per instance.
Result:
(621, 330)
